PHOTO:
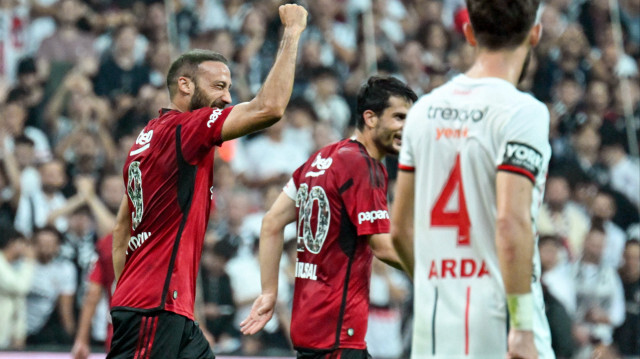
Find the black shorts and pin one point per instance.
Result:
(334, 354)
(156, 335)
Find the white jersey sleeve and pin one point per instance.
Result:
(524, 146)
(406, 160)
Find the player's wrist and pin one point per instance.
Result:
(520, 311)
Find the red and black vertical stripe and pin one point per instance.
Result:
(144, 345)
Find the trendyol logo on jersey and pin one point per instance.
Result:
(137, 241)
(372, 216)
(320, 163)
(144, 140)
(523, 156)
(214, 116)
(452, 113)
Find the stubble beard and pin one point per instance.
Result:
(200, 100)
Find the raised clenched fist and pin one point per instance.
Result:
(293, 16)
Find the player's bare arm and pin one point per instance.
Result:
(282, 212)
(382, 247)
(93, 295)
(515, 246)
(269, 104)
(121, 235)
(402, 220)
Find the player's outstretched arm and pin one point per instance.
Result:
(81, 348)
(272, 99)
(121, 235)
(383, 249)
(515, 245)
(281, 213)
(402, 219)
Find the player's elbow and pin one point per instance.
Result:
(399, 234)
(271, 226)
(269, 110)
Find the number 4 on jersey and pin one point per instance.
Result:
(459, 218)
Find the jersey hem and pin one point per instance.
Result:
(347, 346)
(149, 310)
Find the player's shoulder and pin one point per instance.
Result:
(351, 152)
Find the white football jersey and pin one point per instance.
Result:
(455, 140)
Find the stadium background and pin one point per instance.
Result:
(79, 79)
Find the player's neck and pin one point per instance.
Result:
(178, 105)
(370, 145)
(503, 64)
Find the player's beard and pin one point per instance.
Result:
(525, 67)
(386, 141)
(200, 100)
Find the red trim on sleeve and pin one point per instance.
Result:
(517, 170)
(402, 167)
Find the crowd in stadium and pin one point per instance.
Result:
(79, 80)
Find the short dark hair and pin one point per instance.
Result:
(502, 24)
(50, 229)
(187, 64)
(374, 95)
(8, 234)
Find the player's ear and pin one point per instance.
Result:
(185, 85)
(469, 34)
(535, 34)
(370, 118)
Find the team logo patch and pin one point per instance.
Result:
(523, 156)
(214, 116)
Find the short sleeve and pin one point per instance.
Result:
(524, 146)
(364, 193)
(406, 160)
(290, 189)
(200, 131)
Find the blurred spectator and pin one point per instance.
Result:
(562, 217)
(603, 209)
(219, 308)
(387, 292)
(101, 281)
(120, 77)
(24, 153)
(68, 43)
(13, 120)
(29, 91)
(14, 20)
(50, 311)
(16, 270)
(627, 336)
(46, 205)
(559, 296)
(269, 158)
(78, 247)
(300, 117)
(329, 105)
(624, 170)
(10, 184)
(600, 296)
(244, 272)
